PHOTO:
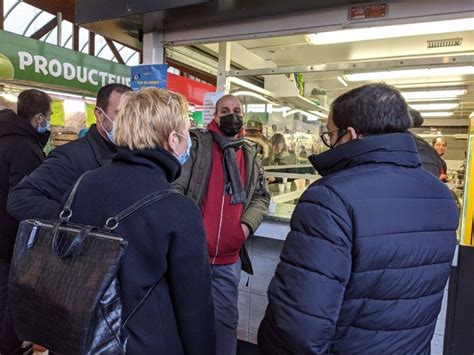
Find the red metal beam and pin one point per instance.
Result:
(45, 29)
(91, 43)
(114, 50)
(75, 37)
(208, 78)
(66, 7)
(2, 15)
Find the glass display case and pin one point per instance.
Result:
(285, 138)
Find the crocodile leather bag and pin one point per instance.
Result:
(63, 283)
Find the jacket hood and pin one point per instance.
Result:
(395, 148)
(13, 125)
(158, 159)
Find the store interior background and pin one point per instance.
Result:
(295, 101)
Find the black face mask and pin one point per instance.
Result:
(231, 124)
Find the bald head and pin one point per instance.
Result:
(228, 104)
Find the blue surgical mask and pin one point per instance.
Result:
(110, 134)
(43, 129)
(185, 156)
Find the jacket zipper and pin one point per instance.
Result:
(219, 230)
(222, 213)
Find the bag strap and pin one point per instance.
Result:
(66, 213)
(146, 201)
(113, 222)
(142, 301)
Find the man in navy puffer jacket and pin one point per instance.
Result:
(369, 253)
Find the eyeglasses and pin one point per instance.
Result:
(326, 136)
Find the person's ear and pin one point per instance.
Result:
(98, 114)
(353, 133)
(36, 119)
(172, 141)
(217, 119)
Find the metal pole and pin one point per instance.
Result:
(223, 81)
(153, 50)
(59, 19)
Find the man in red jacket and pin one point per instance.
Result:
(224, 176)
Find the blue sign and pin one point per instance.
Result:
(153, 75)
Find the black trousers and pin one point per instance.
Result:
(9, 342)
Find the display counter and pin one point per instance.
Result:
(285, 195)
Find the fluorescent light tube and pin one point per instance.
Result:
(436, 114)
(434, 106)
(9, 97)
(250, 86)
(410, 73)
(393, 31)
(253, 94)
(341, 80)
(432, 94)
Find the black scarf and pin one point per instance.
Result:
(232, 184)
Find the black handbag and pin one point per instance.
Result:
(63, 282)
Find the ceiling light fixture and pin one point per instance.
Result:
(410, 73)
(9, 96)
(341, 80)
(434, 106)
(253, 94)
(436, 114)
(393, 31)
(432, 94)
(310, 116)
(250, 86)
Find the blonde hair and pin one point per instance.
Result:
(147, 117)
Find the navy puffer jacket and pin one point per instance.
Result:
(369, 253)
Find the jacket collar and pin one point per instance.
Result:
(13, 124)
(102, 148)
(158, 159)
(395, 148)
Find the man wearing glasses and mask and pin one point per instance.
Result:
(369, 253)
(224, 176)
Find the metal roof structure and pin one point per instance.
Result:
(24, 19)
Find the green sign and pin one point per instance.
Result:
(27, 59)
(58, 118)
(90, 115)
(197, 117)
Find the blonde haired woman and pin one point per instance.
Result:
(166, 239)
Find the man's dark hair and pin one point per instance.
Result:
(31, 102)
(371, 109)
(278, 138)
(107, 90)
(416, 118)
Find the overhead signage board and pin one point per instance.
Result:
(153, 75)
(26, 59)
(371, 11)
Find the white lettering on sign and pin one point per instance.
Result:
(25, 59)
(55, 68)
(68, 71)
(82, 74)
(40, 64)
(91, 79)
(103, 76)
